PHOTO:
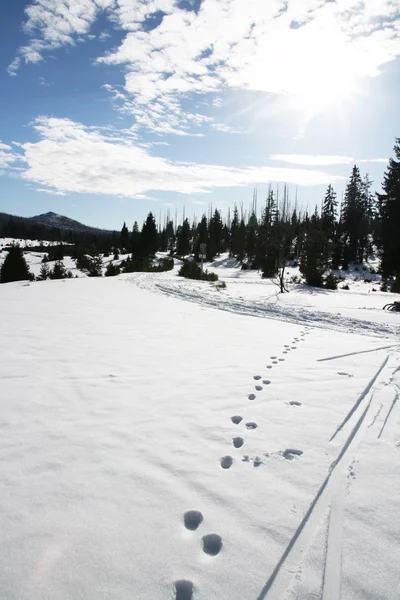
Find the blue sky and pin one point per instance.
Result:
(112, 108)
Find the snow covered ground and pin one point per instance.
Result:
(129, 401)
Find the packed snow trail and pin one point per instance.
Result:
(269, 307)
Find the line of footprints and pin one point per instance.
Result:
(212, 543)
(227, 461)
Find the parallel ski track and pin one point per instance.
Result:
(276, 585)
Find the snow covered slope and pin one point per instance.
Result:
(124, 406)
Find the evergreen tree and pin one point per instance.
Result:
(183, 236)
(389, 219)
(124, 237)
(314, 259)
(215, 230)
(234, 244)
(44, 272)
(352, 216)
(58, 271)
(329, 213)
(135, 239)
(149, 237)
(201, 236)
(14, 266)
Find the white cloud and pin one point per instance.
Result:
(73, 158)
(9, 160)
(47, 191)
(322, 160)
(314, 50)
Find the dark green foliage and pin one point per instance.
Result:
(91, 265)
(14, 267)
(389, 220)
(59, 271)
(183, 236)
(112, 270)
(143, 265)
(124, 238)
(215, 236)
(331, 282)
(191, 270)
(148, 238)
(314, 259)
(55, 253)
(44, 272)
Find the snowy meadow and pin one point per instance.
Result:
(165, 439)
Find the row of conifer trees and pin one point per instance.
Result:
(332, 237)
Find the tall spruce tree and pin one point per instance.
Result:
(352, 216)
(389, 219)
(183, 237)
(149, 237)
(14, 266)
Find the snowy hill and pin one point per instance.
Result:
(129, 402)
(52, 219)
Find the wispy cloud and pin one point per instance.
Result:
(9, 160)
(322, 160)
(70, 157)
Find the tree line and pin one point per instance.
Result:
(332, 237)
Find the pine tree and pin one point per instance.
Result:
(44, 272)
(314, 259)
(183, 236)
(14, 266)
(352, 216)
(135, 239)
(389, 219)
(234, 238)
(329, 213)
(149, 237)
(58, 271)
(215, 230)
(124, 237)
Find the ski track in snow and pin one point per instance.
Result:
(185, 290)
(330, 494)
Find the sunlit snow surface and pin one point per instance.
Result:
(117, 398)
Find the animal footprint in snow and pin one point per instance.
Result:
(266, 381)
(281, 359)
(345, 374)
(273, 357)
(238, 442)
(257, 461)
(295, 403)
(258, 388)
(212, 544)
(192, 519)
(269, 366)
(226, 462)
(257, 377)
(251, 425)
(251, 396)
(291, 453)
(236, 419)
(183, 590)
(274, 362)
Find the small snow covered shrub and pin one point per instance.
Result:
(220, 285)
(112, 270)
(191, 270)
(331, 282)
(345, 287)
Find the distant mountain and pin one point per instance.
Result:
(51, 219)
